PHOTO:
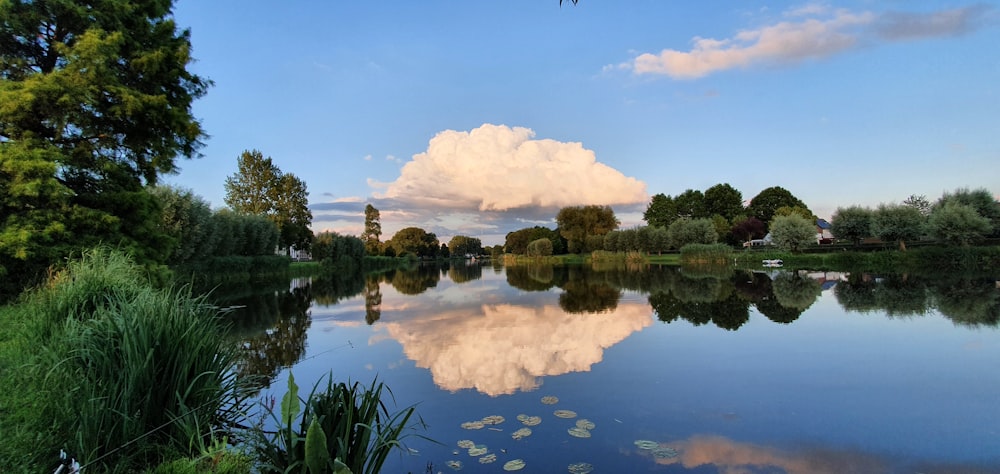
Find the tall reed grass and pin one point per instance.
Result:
(120, 372)
(702, 254)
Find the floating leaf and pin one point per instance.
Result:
(522, 417)
(514, 465)
(465, 443)
(478, 450)
(456, 465)
(565, 413)
(581, 468)
(579, 432)
(531, 420)
(550, 400)
(488, 458)
(521, 433)
(473, 425)
(585, 424)
(493, 420)
(646, 444)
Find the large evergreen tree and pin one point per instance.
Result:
(95, 103)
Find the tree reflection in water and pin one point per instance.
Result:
(969, 300)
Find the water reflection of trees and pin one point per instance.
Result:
(271, 327)
(415, 281)
(965, 299)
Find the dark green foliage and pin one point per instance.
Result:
(577, 223)
(461, 245)
(723, 200)
(749, 229)
(691, 231)
(415, 240)
(260, 188)
(95, 103)
(795, 292)
(338, 253)
(661, 211)
(765, 204)
(373, 230)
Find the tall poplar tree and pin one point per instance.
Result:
(373, 230)
(95, 103)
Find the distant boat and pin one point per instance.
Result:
(773, 263)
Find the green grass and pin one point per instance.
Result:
(97, 359)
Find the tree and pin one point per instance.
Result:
(187, 219)
(373, 230)
(852, 223)
(958, 224)
(461, 245)
(691, 231)
(749, 229)
(576, 223)
(259, 187)
(690, 204)
(95, 103)
(764, 205)
(920, 203)
(897, 223)
(416, 241)
(793, 232)
(724, 200)
(979, 199)
(540, 248)
(661, 211)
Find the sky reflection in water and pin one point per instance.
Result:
(807, 388)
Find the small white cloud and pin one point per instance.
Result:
(367, 158)
(809, 9)
(498, 168)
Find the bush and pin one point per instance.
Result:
(691, 231)
(540, 248)
(792, 232)
(699, 254)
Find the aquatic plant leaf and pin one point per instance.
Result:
(456, 465)
(578, 432)
(514, 465)
(550, 400)
(565, 413)
(521, 433)
(646, 444)
(493, 420)
(317, 454)
(581, 468)
(489, 458)
(473, 425)
(585, 424)
(478, 450)
(465, 443)
(290, 402)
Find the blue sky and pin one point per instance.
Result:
(479, 118)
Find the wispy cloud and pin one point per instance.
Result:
(812, 31)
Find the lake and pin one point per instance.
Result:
(677, 370)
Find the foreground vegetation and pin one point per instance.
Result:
(128, 377)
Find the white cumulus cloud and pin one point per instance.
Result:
(499, 168)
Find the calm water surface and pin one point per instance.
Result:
(738, 372)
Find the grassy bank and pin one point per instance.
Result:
(923, 259)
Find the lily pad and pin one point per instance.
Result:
(456, 465)
(514, 465)
(522, 417)
(478, 450)
(646, 444)
(565, 413)
(493, 420)
(585, 424)
(550, 400)
(531, 421)
(473, 425)
(521, 433)
(488, 458)
(579, 432)
(664, 453)
(466, 443)
(581, 468)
